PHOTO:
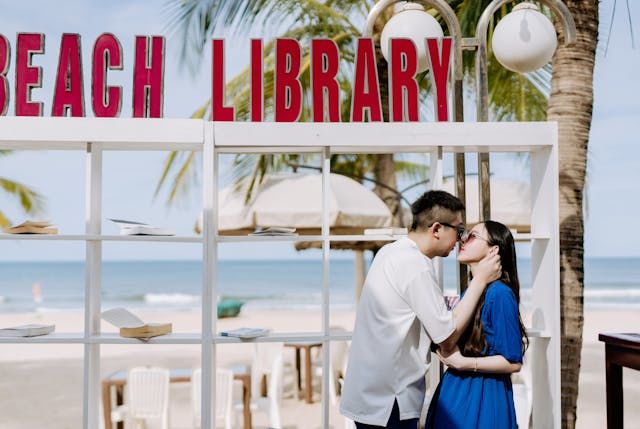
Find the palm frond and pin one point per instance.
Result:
(30, 200)
(4, 220)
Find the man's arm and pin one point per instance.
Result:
(488, 270)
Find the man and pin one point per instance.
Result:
(384, 385)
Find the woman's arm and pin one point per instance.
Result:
(488, 364)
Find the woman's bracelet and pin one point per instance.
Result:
(475, 364)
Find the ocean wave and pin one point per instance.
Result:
(612, 293)
(171, 298)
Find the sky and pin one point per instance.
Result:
(130, 178)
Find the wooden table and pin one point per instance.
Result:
(620, 350)
(306, 346)
(118, 380)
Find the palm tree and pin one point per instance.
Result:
(340, 21)
(30, 200)
(571, 105)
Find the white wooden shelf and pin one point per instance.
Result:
(279, 337)
(54, 338)
(173, 338)
(537, 333)
(266, 238)
(94, 136)
(81, 237)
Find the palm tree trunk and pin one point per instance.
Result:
(571, 104)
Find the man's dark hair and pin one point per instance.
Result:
(434, 206)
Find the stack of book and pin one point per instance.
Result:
(245, 333)
(128, 227)
(32, 330)
(131, 326)
(33, 227)
(274, 231)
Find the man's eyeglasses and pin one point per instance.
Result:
(460, 230)
(472, 235)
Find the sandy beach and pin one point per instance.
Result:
(48, 378)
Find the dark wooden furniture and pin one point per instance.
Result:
(621, 350)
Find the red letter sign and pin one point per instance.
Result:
(402, 80)
(69, 94)
(288, 90)
(325, 61)
(366, 88)
(148, 77)
(107, 55)
(5, 54)
(219, 112)
(257, 81)
(27, 76)
(439, 64)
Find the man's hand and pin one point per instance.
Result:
(453, 358)
(489, 268)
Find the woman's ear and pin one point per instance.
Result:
(495, 250)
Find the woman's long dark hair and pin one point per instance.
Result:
(473, 342)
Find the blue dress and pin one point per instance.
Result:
(467, 400)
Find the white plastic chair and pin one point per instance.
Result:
(268, 360)
(223, 399)
(339, 352)
(146, 397)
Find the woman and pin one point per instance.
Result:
(475, 392)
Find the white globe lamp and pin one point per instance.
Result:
(411, 22)
(524, 40)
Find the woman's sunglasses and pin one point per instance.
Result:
(472, 235)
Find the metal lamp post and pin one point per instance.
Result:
(522, 44)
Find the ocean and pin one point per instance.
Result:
(42, 286)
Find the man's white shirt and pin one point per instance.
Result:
(387, 361)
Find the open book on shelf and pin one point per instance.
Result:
(128, 227)
(131, 326)
(33, 227)
(245, 333)
(31, 330)
(274, 231)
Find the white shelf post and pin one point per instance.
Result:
(209, 270)
(545, 351)
(93, 274)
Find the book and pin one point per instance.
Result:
(32, 227)
(128, 227)
(131, 326)
(386, 231)
(245, 333)
(31, 330)
(274, 231)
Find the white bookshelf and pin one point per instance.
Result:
(95, 136)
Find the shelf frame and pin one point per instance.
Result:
(212, 139)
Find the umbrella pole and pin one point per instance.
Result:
(359, 269)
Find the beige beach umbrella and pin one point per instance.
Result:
(510, 202)
(295, 200)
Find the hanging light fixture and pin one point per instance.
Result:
(411, 22)
(524, 40)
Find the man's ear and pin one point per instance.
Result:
(435, 229)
